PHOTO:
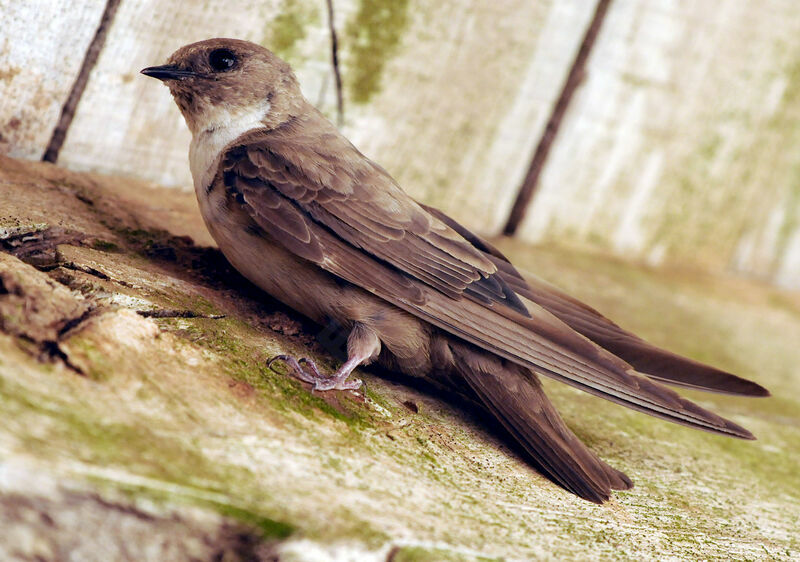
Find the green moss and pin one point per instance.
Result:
(244, 361)
(102, 443)
(710, 146)
(136, 236)
(371, 38)
(105, 246)
(429, 458)
(96, 364)
(351, 523)
(756, 173)
(78, 435)
(426, 554)
(265, 527)
(376, 397)
(11, 227)
(268, 528)
(289, 27)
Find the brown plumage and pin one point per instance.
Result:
(303, 214)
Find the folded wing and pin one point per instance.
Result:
(345, 214)
(658, 364)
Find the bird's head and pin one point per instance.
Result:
(219, 80)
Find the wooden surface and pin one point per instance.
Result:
(460, 77)
(42, 43)
(465, 100)
(681, 145)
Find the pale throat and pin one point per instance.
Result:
(213, 131)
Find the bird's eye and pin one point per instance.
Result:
(221, 60)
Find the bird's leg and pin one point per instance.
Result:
(363, 345)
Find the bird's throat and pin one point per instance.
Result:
(213, 132)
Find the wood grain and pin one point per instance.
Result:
(42, 45)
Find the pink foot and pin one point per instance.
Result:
(338, 381)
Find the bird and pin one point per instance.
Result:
(299, 211)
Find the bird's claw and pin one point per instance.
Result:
(331, 383)
(315, 377)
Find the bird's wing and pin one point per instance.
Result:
(360, 203)
(658, 364)
(300, 192)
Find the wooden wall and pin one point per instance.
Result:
(682, 144)
(42, 44)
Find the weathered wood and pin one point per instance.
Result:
(682, 144)
(466, 98)
(337, 75)
(42, 47)
(443, 81)
(574, 78)
(76, 92)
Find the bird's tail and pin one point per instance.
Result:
(658, 364)
(515, 396)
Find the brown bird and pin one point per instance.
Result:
(300, 212)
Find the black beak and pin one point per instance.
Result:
(167, 72)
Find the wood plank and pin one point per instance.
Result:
(682, 144)
(42, 45)
(452, 104)
(465, 100)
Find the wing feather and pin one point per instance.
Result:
(658, 364)
(417, 272)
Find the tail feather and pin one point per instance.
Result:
(515, 396)
(658, 364)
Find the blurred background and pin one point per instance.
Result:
(664, 131)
